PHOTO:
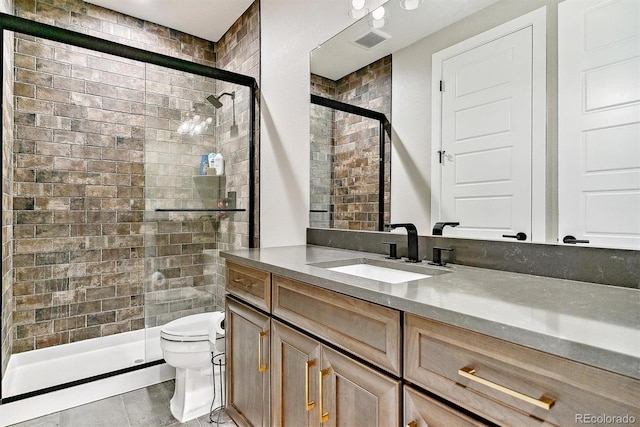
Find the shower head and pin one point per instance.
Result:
(215, 100)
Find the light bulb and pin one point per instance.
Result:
(358, 4)
(358, 13)
(378, 13)
(410, 4)
(377, 23)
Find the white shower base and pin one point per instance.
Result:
(52, 366)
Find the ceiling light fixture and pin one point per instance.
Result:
(357, 9)
(377, 18)
(378, 13)
(410, 4)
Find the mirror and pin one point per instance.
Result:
(607, 218)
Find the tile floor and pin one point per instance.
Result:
(146, 407)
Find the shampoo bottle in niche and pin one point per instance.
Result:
(204, 164)
(218, 163)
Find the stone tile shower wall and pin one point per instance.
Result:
(82, 125)
(6, 318)
(322, 141)
(238, 51)
(355, 155)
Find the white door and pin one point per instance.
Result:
(599, 122)
(486, 139)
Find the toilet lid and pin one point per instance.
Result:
(189, 328)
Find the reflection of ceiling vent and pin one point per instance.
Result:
(371, 39)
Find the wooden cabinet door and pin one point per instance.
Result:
(295, 362)
(422, 411)
(352, 394)
(247, 365)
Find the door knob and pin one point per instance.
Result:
(519, 236)
(572, 240)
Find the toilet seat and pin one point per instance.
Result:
(191, 328)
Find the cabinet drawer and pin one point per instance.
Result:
(367, 330)
(508, 383)
(422, 411)
(250, 284)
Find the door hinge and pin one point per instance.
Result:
(441, 86)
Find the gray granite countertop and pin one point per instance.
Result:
(598, 325)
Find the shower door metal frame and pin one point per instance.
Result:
(384, 127)
(49, 32)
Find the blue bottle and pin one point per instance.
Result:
(204, 164)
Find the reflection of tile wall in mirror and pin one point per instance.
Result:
(345, 149)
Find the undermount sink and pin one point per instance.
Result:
(382, 271)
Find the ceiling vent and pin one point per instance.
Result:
(371, 39)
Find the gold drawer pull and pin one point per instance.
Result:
(308, 365)
(243, 282)
(413, 423)
(324, 416)
(544, 402)
(261, 366)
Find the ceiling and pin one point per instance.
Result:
(340, 55)
(207, 19)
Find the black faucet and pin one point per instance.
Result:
(412, 241)
(437, 255)
(437, 228)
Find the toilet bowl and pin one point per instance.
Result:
(189, 344)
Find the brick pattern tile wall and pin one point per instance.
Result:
(238, 51)
(6, 319)
(84, 250)
(322, 140)
(355, 156)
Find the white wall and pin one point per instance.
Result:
(290, 29)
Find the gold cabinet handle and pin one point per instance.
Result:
(261, 366)
(324, 416)
(243, 282)
(544, 402)
(308, 366)
(413, 423)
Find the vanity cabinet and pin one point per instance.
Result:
(421, 410)
(369, 331)
(315, 385)
(303, 355)
(247, 364)
(510, 384)
(250, 284)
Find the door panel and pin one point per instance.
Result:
(599, 122)
(487, 138)
(248, 388)
(296, 364)
(355, 395)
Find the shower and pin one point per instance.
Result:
(215, 101)
(96, 309)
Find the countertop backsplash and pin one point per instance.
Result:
(616, 267)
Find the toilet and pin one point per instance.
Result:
(188, 344)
